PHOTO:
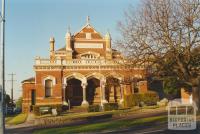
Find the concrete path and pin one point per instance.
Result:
(29, 123)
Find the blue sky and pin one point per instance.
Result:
(30, 24)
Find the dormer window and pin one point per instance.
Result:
(88, 35)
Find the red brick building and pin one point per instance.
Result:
(85, 71)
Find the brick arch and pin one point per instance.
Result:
(96, 75)
(118, 76)
(78, 76)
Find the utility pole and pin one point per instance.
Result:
(12, 83)
(2, 68)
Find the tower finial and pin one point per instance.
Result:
(88, 20)
(68, 34)
(108, 34)
(108, 31)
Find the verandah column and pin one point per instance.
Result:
(121, 93)
(84, 102)
(103, 93)
(63, 93)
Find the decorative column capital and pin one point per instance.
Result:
(64, 85)
(84, 85)
(103, 82)
(121, 85)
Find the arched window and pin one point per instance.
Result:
(48, 87)
(90, 55)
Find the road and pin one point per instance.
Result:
(156, 128)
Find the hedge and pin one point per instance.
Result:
(110, 106)
(106, 107)
(58, 107)
(149, 98)
(93, 108)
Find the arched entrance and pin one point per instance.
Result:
(74, 92)
(74, 89)
(93, 91)
(96, 88)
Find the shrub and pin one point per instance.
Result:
(36, 108)
(128, 101)
(93, 108)
(142, 104)
(110, 106)
(132, 100)
(149, 98)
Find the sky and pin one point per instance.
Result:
(30, 24)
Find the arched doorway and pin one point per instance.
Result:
(93, 91)
(74, 92)
(113, 91)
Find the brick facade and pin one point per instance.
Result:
(101, 73)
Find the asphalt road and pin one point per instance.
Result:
(156, 128)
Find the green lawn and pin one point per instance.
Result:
(82, 115)
(77, 115)
(8, 118)
(18, 119)
(111, 125)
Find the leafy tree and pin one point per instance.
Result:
(171, 87)
(19, 103)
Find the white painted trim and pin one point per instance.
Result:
(88, 45)
(49, 78)
(90, 52)
(75, 75)
(96, 75)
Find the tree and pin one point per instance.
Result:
(7, 99)
(19, 103)
(164, 35)
(171, 87)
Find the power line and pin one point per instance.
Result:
(12, 83)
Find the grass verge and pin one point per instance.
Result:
(8, 118)
(76, 115)
(20, 118)
(112, 125)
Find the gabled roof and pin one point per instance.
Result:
(88, 29)
(29, 80)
